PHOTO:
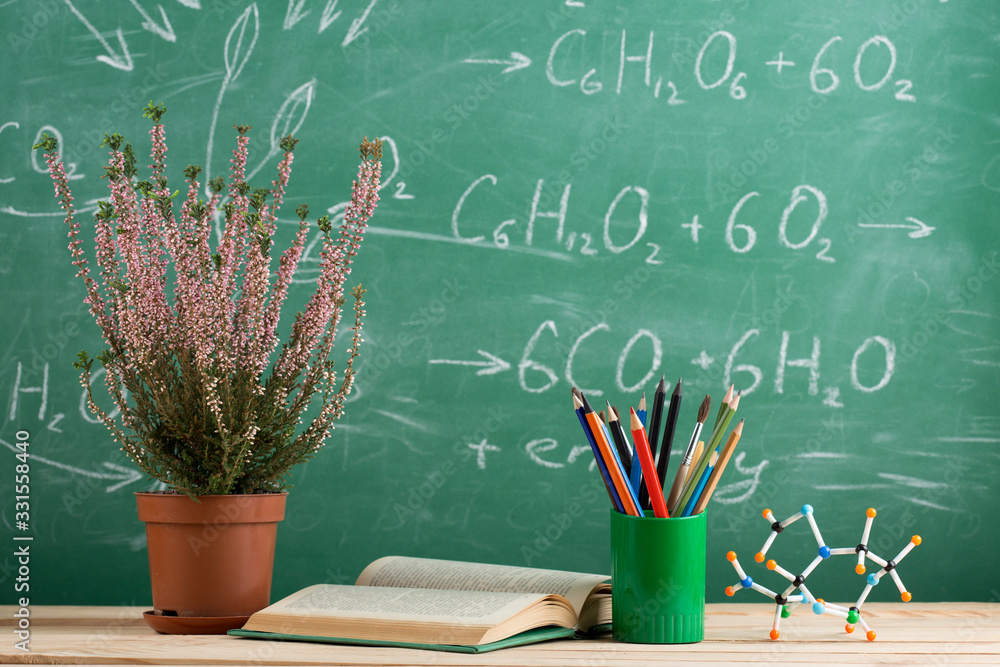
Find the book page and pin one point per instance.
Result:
(401, 571)
(403, 603)
(408, 614)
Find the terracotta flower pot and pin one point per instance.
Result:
(210, 562)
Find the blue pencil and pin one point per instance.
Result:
(614, 459)
(631, 488)
(605, 475)
(636, 477)
(701, 485)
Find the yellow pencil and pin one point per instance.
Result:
(699, 448)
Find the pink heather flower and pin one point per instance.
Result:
(211, 331)
(334, 269)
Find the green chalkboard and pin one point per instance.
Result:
(797, 197)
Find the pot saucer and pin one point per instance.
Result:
(193, 625)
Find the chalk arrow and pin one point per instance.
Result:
(330, 14)
(356, 30)
(294, 13)
(10, 210)
(918, 229)
(120, 475)
(166, 31)
(126, 475)
(517, 61)
(123, 61)
(490, 366)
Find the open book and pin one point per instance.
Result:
(440, 604)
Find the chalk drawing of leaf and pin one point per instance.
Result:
(238, 53)
(292, 113)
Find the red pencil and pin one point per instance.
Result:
(648, 468)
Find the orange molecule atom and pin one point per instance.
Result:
(819, 604)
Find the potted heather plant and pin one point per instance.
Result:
(206, 401)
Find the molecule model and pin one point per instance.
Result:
(787, 600)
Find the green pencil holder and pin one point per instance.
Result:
(657, 579)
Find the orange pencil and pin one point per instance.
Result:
(648, 468)
(625, 492)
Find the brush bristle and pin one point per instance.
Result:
(703, 410)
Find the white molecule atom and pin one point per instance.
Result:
(819, 606)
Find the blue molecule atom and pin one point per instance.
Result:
(818, 605)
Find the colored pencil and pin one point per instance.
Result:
(648, 469)
(699, 448)
(668, 434)
(710, 447)
(720, 466)
(605, 475)
(635, 476)
(625, 492)
(726, 400)
(678, 485)
(621, 440)
(688, 509)
(655, 417)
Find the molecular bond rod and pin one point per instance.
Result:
(786, 601)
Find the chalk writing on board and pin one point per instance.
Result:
(719, 47)
(546, 453)
(807, 206)
(22, 386)
(875, 356)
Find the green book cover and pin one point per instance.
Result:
(527, 637)
(439, 605)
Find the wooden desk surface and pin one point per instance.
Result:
(937, 633)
